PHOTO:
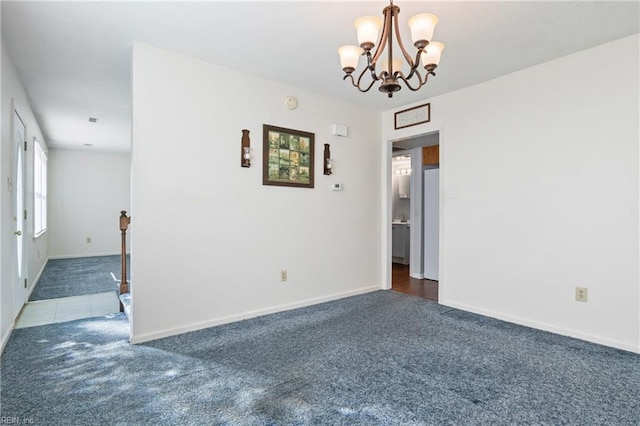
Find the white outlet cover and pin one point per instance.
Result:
(337, 187)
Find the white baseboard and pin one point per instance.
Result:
(417, 276)
(246, 315)
(6, 335)
(36, 279)
(544, 326)
(75, 256)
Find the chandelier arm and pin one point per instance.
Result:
(373, 81)
(417, 62)
(406, 55)
(357, 85)
(371, 66)
(407, 80)
(414, 69)
(386, 34)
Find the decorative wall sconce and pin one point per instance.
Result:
(246, 149)
(327, 159)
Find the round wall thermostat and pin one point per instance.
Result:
(290, 102)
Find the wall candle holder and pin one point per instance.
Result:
(327, 159)
(245, 154)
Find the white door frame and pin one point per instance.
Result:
(387, 205)
(431, 225)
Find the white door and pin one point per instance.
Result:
(431, 213)
(17, 186)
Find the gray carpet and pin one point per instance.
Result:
(77, 276)
(378, 359)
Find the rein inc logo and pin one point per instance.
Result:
(15, 420)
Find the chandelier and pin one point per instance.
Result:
(391, 74)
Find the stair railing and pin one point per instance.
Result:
(124, 224)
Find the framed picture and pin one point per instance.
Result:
(412, 116)
(287, 157)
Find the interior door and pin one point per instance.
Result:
(17, 179)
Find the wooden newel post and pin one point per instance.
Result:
(124, 224)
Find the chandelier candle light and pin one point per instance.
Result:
(367, 27)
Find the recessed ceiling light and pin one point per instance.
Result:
(92, 119)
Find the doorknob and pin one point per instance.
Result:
(18, 233)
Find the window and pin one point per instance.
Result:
(39, 189)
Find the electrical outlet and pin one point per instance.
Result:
(582, 294)
(88, 240)
(283, 275)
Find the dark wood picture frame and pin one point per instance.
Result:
(287, 157)
(412, 116)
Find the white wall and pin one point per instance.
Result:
(87, 191)
(544, 165)
(36, 250)
(208, 239)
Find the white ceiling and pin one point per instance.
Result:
(74, 58)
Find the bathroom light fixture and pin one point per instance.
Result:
(327, 159)
(246, 149)
(428, 52)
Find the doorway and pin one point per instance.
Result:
(415, 218)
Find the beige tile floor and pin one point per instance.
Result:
(41, 312)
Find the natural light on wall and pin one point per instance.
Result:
(39, 190)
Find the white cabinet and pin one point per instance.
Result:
(400, 243)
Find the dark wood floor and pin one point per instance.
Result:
(402, 282)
